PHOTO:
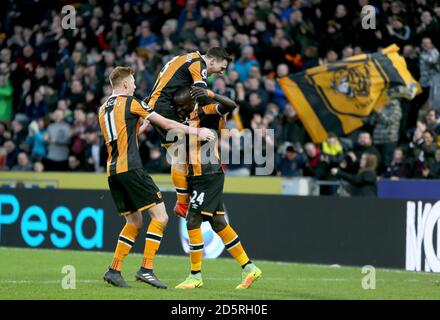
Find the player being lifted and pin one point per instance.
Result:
(133, 191)
(205, 185)
(183, 71)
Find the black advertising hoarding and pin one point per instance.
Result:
(349, 231)
(66, 219)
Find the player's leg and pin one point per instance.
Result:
(127, 235)
(146, 197)
(232, 243)
(193, 225)
(179, 178)
(206, 197)
(126, 239)
(155, 230)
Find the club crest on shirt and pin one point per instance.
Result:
(204, 73)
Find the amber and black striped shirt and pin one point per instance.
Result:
(181, 71)
(203, 156)
(119, 119)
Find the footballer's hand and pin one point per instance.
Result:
(198, 92)
(206, 134)
(144, 127)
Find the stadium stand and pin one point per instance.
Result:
(52, 80)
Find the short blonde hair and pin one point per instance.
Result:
(119, 74)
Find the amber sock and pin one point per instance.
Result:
(233, 245)
(195, 249)
(152, 242)
(126, 240)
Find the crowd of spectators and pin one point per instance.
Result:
(53, 79)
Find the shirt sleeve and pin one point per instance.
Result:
(211, 109)
(141, 109)
(198, 73)
(218, 109)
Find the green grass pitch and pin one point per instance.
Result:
(37, 274)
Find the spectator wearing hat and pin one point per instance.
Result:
(291, 162)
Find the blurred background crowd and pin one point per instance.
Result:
(53, 80)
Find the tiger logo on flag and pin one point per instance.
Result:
(352, 82)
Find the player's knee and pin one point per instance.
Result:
(135, 219)
(193, 221)
(159, 213)
(218, 223)
(162, 218)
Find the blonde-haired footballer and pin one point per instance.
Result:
(133, 191)
(205, 186)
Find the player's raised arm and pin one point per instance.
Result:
(225, 104)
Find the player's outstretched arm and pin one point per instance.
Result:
(167, 124)
(226, 103)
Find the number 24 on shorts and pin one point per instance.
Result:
(197, 197)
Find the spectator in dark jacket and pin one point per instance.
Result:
(36, 108)
(291, 163)
(363, 183)
(365, 144)
(423, 152)
(433, 172)
(399, 167)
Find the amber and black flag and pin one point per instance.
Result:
(338, 97)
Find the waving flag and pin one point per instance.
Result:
(338, 97)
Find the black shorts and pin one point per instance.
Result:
(133, 191)
(206, 194)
